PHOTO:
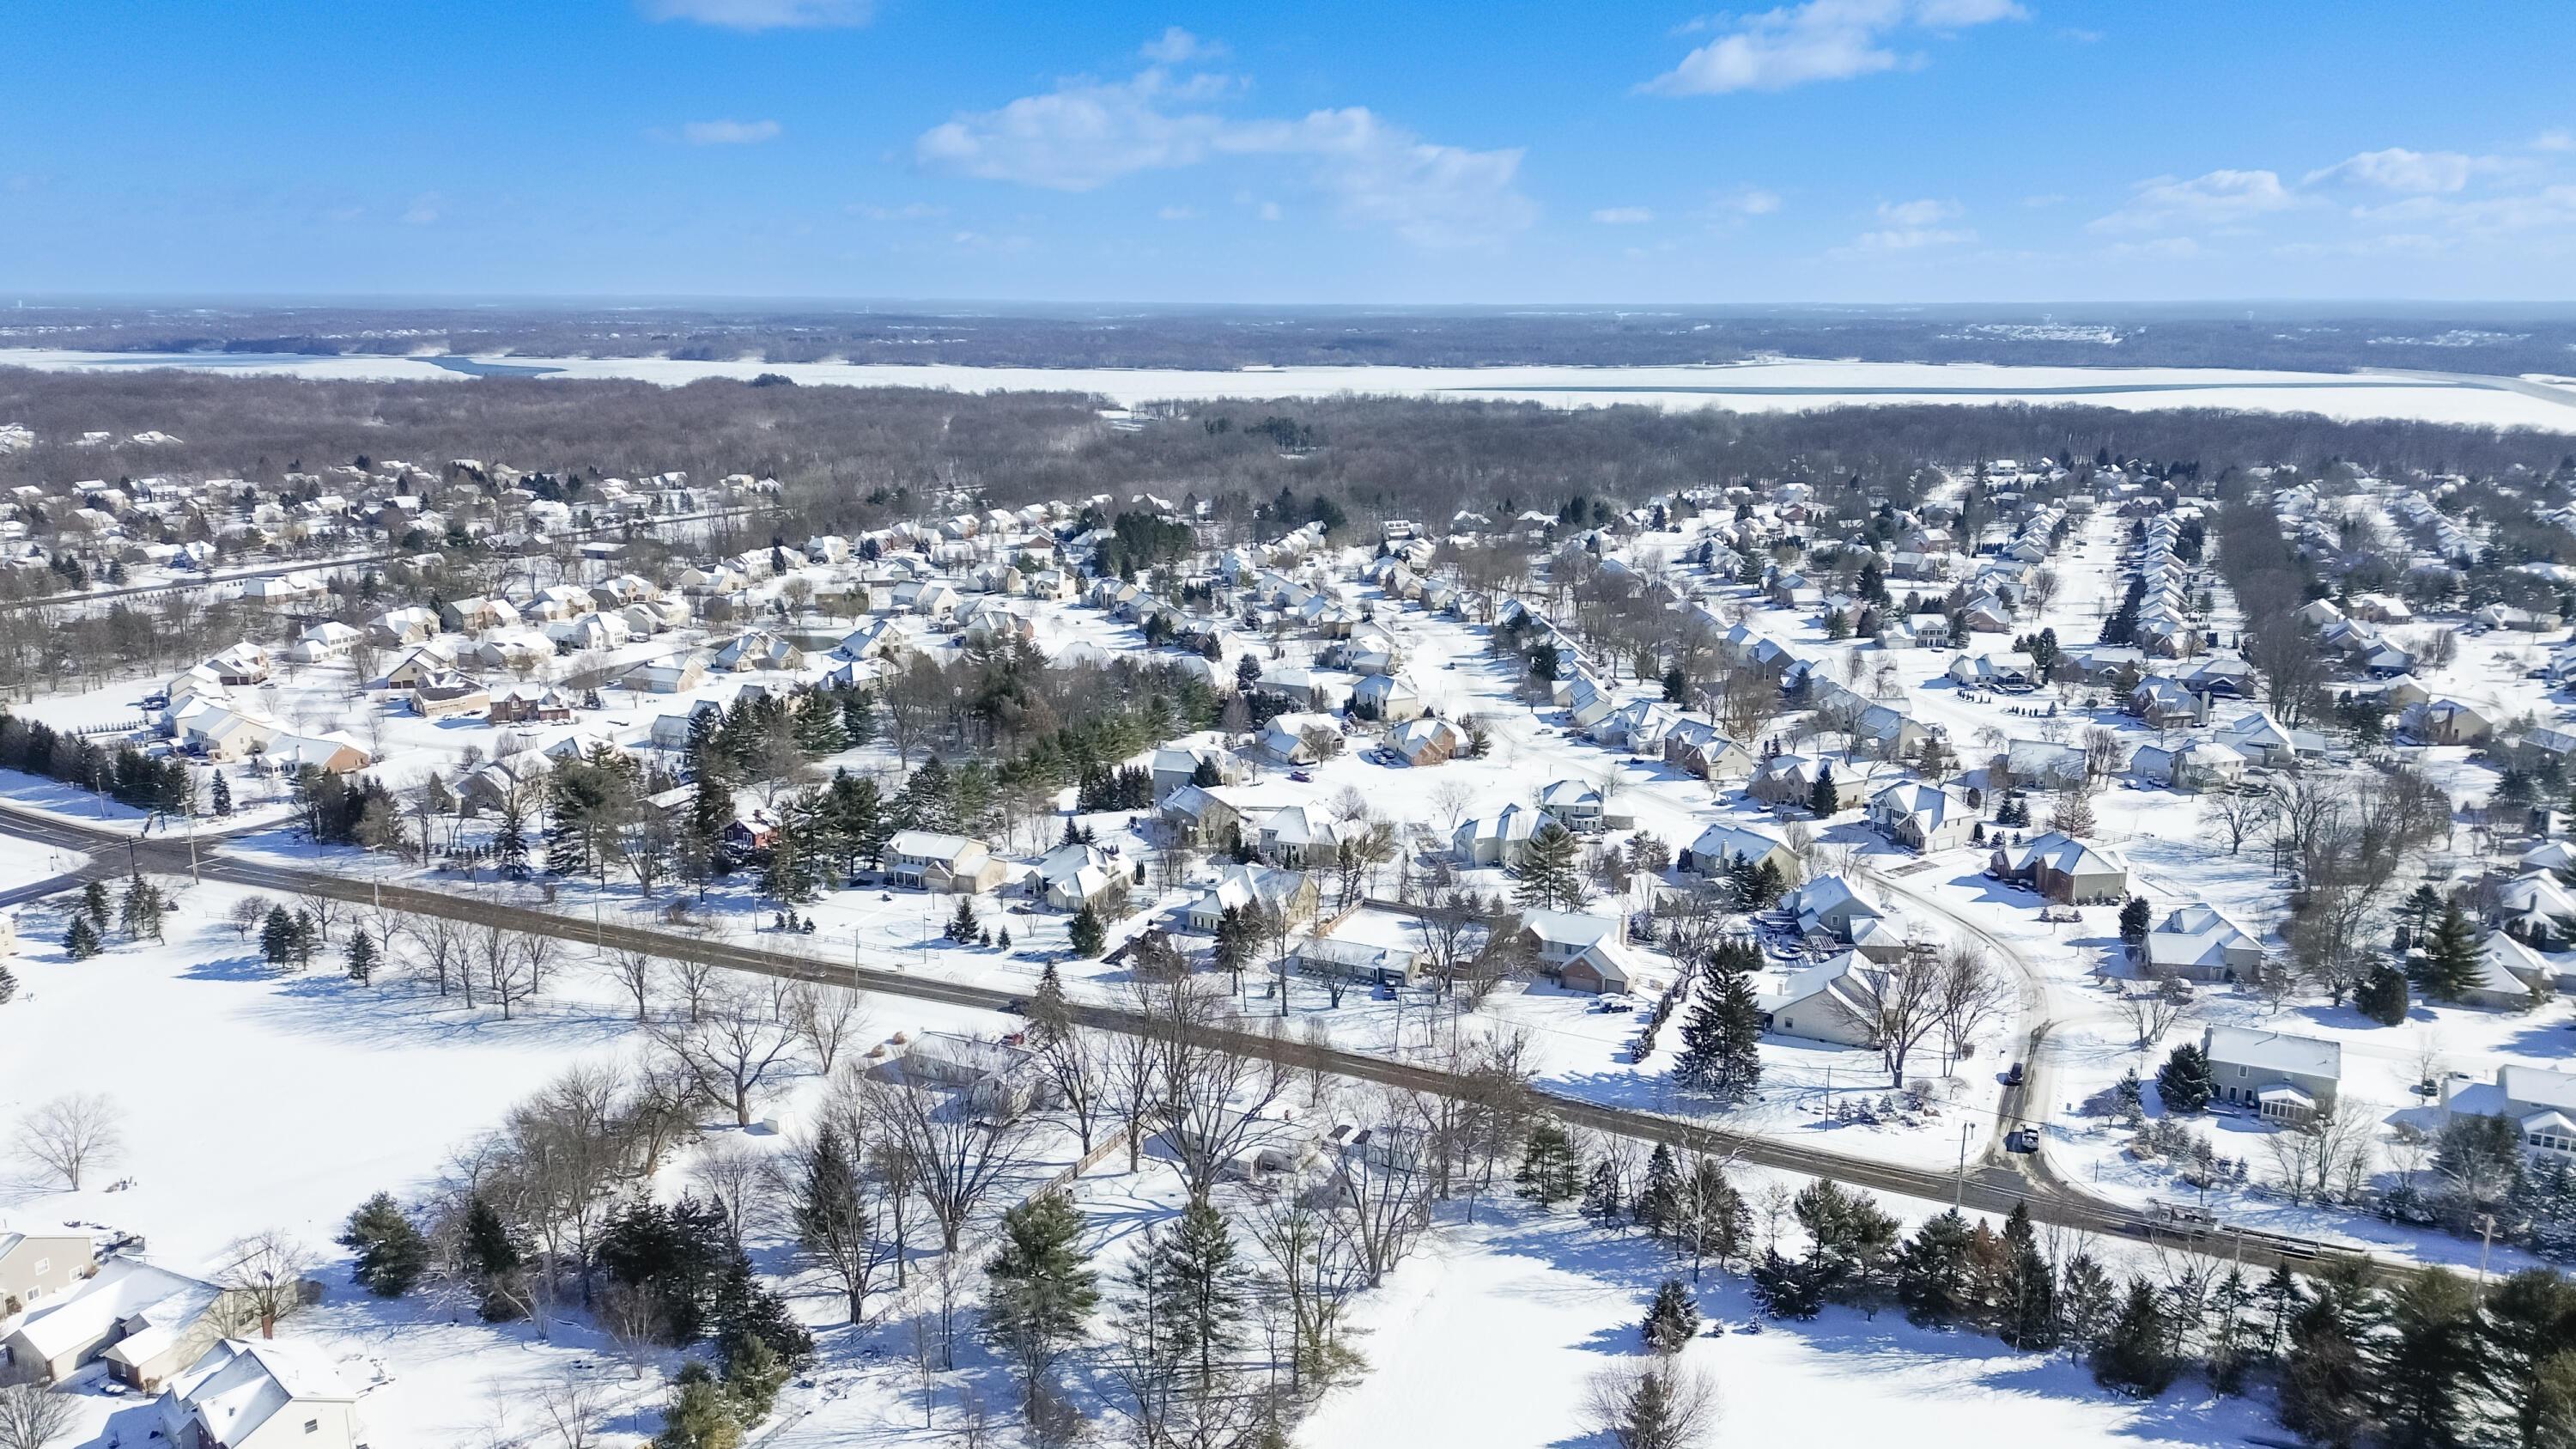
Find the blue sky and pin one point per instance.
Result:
(1329, 151)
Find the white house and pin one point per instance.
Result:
(1579, 949)
(1499, 838)
(267, 1395)
(2281, 1076)
(1922, 816)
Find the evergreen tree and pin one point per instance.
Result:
(1711, 1220)
(1721, 1042)
(1601, 1203)
(1672, 1320)
(1551, 1170)
(2230, 1347)
(2428, 1376)
(1190, 1284)
(2382, 995)
(1659, 1199)
(94, 903)
(2184, 1081)
(1050, 1016)
(277, 937)
(2025, 1302)
(835, 1221)
(1676, 686)
(757, 1337)
(701, 1413)
(8, 986)
(2449, 964)
(492, 1257)
(223, 794)
(1932, 1271)
(361, 954)
(1550, 878)
(2134, 1357)
(2530, 1324)
(1041, 1289)
(81, 939)
(1086, 934)
(391, 1253)
(2134, 920)
(962, 926)
(1823, 798)
(2088, 1300)
(2326, 1370)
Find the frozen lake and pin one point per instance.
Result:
(1750, 387)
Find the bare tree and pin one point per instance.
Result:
(571, 1414)
(633, 971)
(728, 1172)
(1972, 993)
(1451, 799)
(1385, 1185)
(695, 981)
(445, 951)
(1652, 1403)
(263, 1279)
(1076, 1065)
(72, 1134)
(1905, 1005)
(1216, 1098)
(827, 1019)
(956, 1159)
(2154, 1012)
(2327, 1157)
(735, 1050)
(32, 1415)
(1312, 1270)
(2235, 816)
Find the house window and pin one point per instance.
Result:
(312, 1426)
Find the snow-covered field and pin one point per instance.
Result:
(1767, 386)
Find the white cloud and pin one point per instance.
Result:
(1177, 213)
(909, 211)
(2216, 198)
(1268, 211)
(1819, 40)
(2045, 198)
(1176, 46)
(1087, 133)
(1749, 201)
(1623, 216)
(1911, 238)
(1916, 213)
(729, 133)
(2560, 140)
(2163, 248)
(423, 209)
(2398, 169)
(763, 14)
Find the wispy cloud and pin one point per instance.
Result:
(1178, 47)
(1177, 213)
(763, 14)
(2398, 169)
(2215, 198)
(1623, 216)
(729, 133)
(1087, 133)
(1820, 40)
(423, 209)
(1909, 226)
(909, 211)
(2555, 140)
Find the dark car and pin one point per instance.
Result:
(2022, 1139)
(2012, 1078)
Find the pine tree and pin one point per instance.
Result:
(81, 939)
(701, 1413)
(1085, 934)
(834, 1220)
(1672, 1320)
(2025, 1303)
(2184, 1080)
(962, 926)
(2230, 1339)
(1041, 1286)
(1050, 1016)
(139, 910)
(493, 1258)
(1551, 1170)
(223, 795)
(1659, 1200)
(788, 878)
(1823, 798)
(94, 903)
(1932, 1271)
(2088, 1299)
(361, 954)
(2134, 920)
(1200, 1294)
(8, 985)
(2326, 1369)
(1676, 686)
(1721, 1042)
(1550, 880)
(2428, 1376)
(2134, 1358)
(2382, 995)
(2448, 966)
(392, 1254)
(1601, 1204)
(2530, 1321)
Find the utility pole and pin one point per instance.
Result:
(2486, 1246)
(1959, 1190)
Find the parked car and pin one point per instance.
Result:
(1301, 777)
(2013, 1076)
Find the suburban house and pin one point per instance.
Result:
(442, 695)
(531, 704)
(1499, 838)
(2283, 1077)
(1577, 803)
(1070, 877)
(1426, 741)
(2065, 869)
(1579, 950)
(1697, 746)
(1302, 739)
(1176, 765)
(1333, 958)
(2541, 1104)
(1834, 1001)
(2048, 766)
(2191, 768)
(2199, 943)
(2008, 670)
(2449, 722)
(1921, 816)
(944, 864)
(1387, 697)
(1722, 843)
(145, 1321)
(1242, 886)
(1784, 780)
(995, 1076)
(35, 1267)
(1827, 905)
(265, 1395)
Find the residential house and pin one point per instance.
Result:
(1387, 697)
(36, 1267)
(2282, 1077)
(1697, 746)
(1239, 887)
(1722, 844)
(2192, 768)
(1785, 779)
(2539, 1101)
(943, 864)
(272, 1394)
(146, 1321)
(1302, 739)
(1922, 816)
(2065, 869)
(2044, 765)
(1829, 906)
(2200, 943)
(442, 695)
(2449, 722)
(1834, 1001)
(1576, 803)
(1072, 876)
(676, 675)
(1179, 764)
(531, 704)
(997, 1078)
(1580, 950)
(1499, 838)
(1426, 741)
